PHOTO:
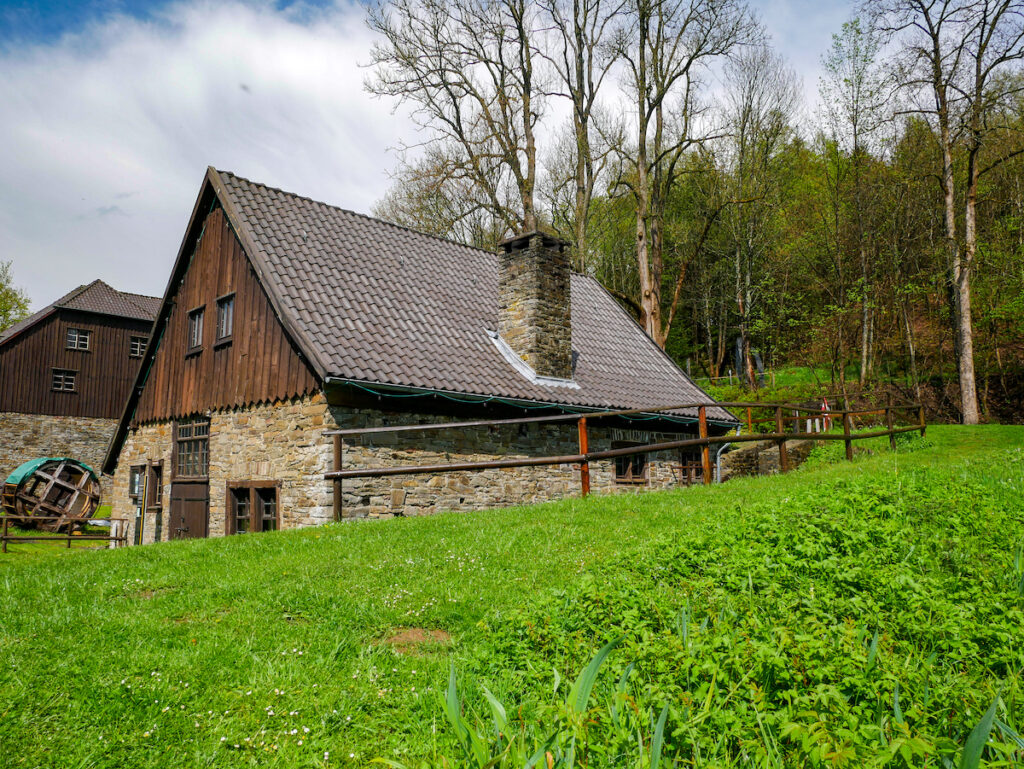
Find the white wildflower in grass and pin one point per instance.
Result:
(300, 742)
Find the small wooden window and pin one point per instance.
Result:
(252, 506)
(77, 339)
(192, 439)
(156, 486)
(631, 468)
(225, 318)
(137, 346)
(195, 330)
(63, 380)
(136, 483)
(691, 467)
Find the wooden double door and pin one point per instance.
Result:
(190, 509)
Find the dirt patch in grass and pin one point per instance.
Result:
(411, 640)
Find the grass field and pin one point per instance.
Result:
(847, 614)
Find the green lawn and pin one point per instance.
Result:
(846, 614)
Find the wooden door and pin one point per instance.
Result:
(190, 507)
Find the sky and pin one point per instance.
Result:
(111, 110)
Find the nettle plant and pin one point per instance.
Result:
(614, 734)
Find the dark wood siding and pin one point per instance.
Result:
(104, 374)
(259, 364)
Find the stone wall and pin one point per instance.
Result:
(762, 458)
(481, 489)
(285, 442)
(282, 442)
(29, 436)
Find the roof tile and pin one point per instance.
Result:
(385, 304)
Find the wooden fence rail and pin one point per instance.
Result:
(120, 539)
(780, 414)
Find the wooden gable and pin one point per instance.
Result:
(103, 372)
(258, 364)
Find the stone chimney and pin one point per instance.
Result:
(533, 298)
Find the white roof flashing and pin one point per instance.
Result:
(524, 368)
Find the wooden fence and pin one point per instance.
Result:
(816, 425)
(118, 532)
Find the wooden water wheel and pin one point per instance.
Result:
(51, 494)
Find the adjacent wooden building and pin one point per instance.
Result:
(66, 371)
(285, 317)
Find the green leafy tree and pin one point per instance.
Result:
(13, 300)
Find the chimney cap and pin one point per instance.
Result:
(522, 240)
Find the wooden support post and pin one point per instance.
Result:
(705, 450)
(846, 432)
(783, 453)
(5, 533)
(920, 419)
(338, 457)
(584, 465)
(750, 420)
(888, 426)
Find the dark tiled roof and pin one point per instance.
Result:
(379, 303)
(95, 297)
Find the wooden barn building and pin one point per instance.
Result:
(285, 318)
(66, 371)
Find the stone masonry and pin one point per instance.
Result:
(533, 303)
(285, 442)
(29, 436)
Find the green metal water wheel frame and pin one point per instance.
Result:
(51, 493)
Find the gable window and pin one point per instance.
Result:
(63, 380)
(252, 506)
(77, 339)
(631, 468)
(192, 448)
(195, 329)
(225, 317)
(137, 346)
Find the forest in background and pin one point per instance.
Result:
(877, 236)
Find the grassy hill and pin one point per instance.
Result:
(847, 614)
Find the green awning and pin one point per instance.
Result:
(23, 471)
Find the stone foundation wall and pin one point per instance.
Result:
(479, 489)
(285, 442)
(763, 458)
(279, 442)
(29, 436)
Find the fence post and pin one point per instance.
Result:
(584, 465)
(705, 450)
(888, 426)
(846, 432)
(5, 533)
(781, 429)
(338, 458)
(920, 419)
(750, 420)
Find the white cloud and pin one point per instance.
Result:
(106, 134)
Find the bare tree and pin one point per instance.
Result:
(466, 67)
(666, 49)
(955, 55)
(582, 55)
